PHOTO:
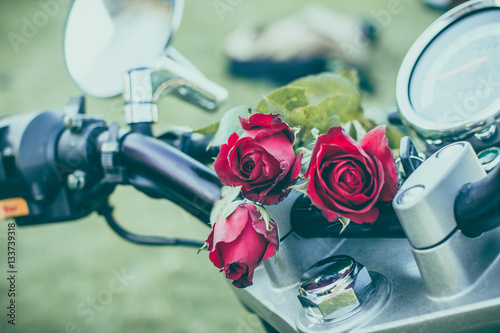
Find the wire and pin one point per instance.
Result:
(107, 212)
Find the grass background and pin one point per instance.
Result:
(62, 266)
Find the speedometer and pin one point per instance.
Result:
(448, 86)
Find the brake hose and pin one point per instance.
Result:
(477, 206)
(107, 212)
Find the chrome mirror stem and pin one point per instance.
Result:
(144, 87)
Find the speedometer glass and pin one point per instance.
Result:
(458, 74)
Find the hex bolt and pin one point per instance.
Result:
(334, 287)
(76, 180)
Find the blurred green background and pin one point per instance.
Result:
(63, 268)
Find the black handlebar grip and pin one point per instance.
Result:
(477, 206)
(190, 184)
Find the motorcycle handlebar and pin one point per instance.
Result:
(162, 170)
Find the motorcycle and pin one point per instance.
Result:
(430, 264)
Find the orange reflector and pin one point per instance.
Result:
(13, 208)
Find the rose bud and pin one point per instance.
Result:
(239, 242)
(262, 160)
(346, 179)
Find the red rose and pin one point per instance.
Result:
(347, 178)
(262, 160)
(240, 242)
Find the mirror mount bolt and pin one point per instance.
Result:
(73, 122)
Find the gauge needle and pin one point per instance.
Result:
(462, 68)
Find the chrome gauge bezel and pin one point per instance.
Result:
(434, 130)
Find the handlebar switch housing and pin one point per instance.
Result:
(38, 154)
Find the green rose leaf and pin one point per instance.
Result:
(267, 105)
(334, 121)
(336, 94)
(367, 124)
(283, 100)
(318, 87)
(351, 75)
(351, 130)
(289, 97)
(265, 216)
(227, 196)
(228, 124)
(207, 130)
(307, 118)
(347, 106)
(356, 130)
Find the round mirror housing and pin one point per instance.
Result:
(106, 38)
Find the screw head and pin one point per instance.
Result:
(76, 180)
(73, 122)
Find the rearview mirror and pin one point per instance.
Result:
(106, 38)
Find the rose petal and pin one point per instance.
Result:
(259, 226)
(313, 194)
(258, 171)
(226, 231)
(221, 164)
(375, 143)
(278, 146)
(247, 163)
(272, 122)
(344, 179)
(324, 144)
(271, 166)
(247, 248)
(262, 160)
(241, 147)
(231, 227)
(245, 280)
(235, 270)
